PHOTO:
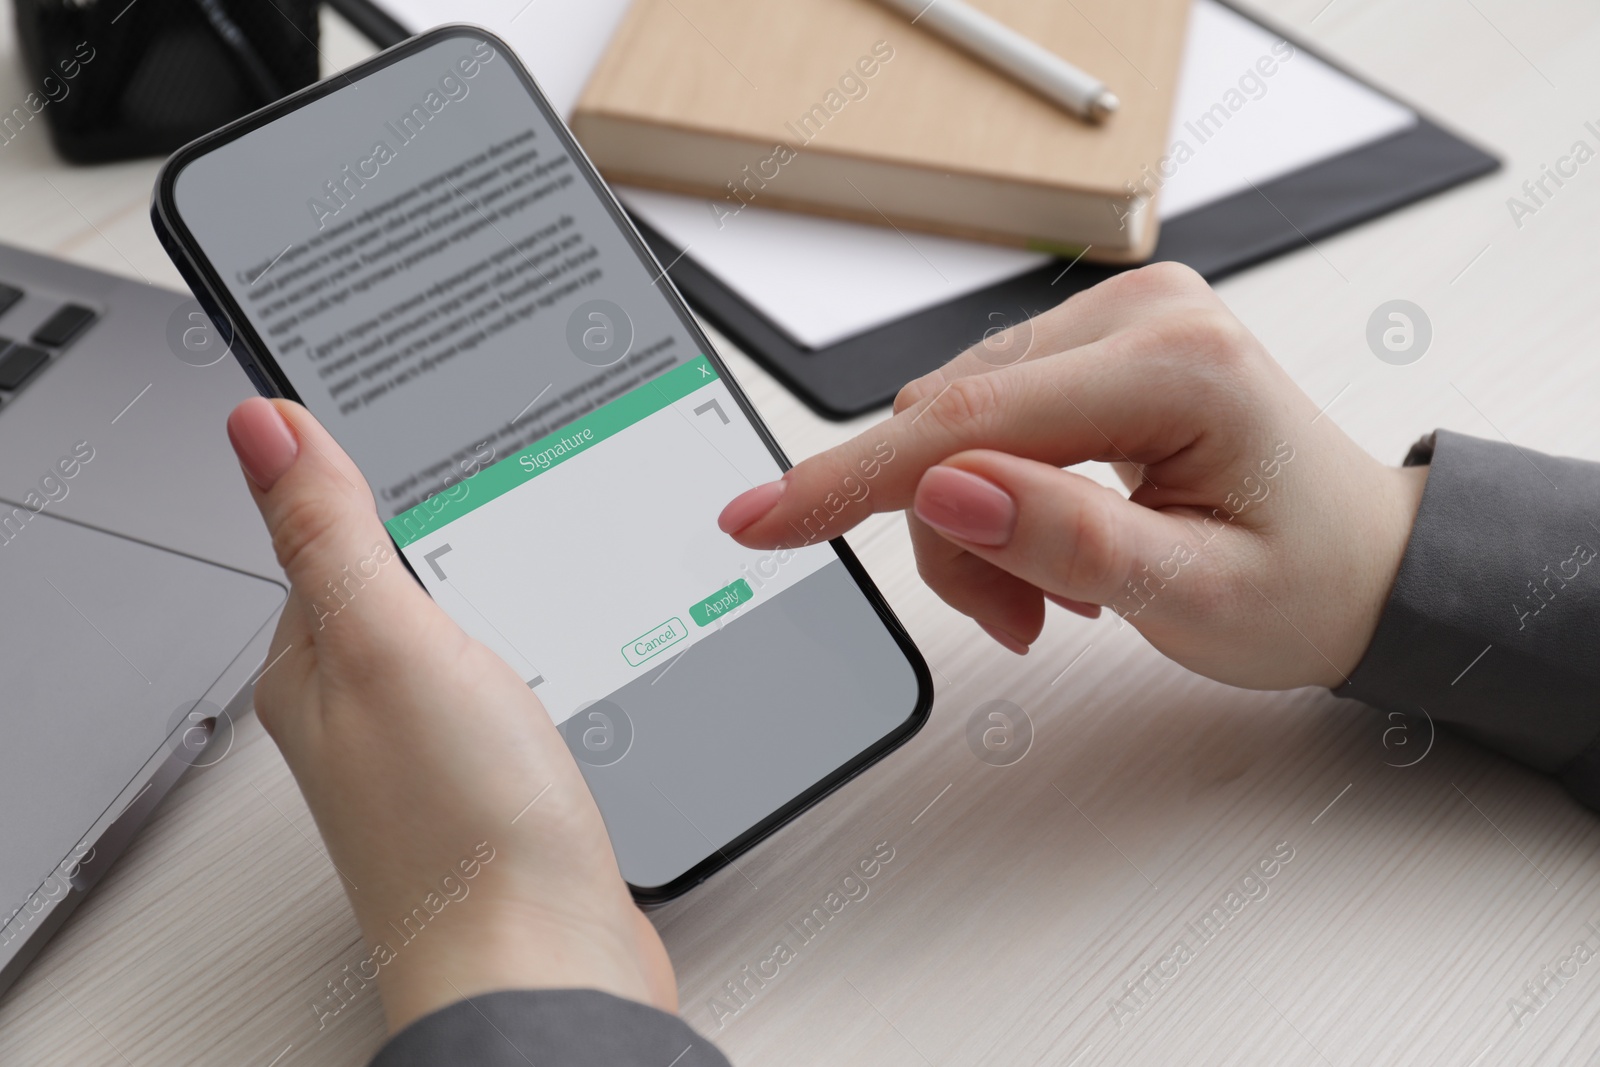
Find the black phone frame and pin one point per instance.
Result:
(256, 359)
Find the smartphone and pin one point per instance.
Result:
(419, 252)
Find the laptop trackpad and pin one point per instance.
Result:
(102, 641)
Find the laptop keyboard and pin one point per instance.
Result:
(18, 364)
(21, 360)
(63, 326)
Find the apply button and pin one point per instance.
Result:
(655, 642)
(721, 602)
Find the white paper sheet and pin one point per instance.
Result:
(1302, 112)
(822, 281)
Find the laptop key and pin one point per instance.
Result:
(9, 294)
(19, 362)
(63, 326)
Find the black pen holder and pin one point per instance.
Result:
(121, 79)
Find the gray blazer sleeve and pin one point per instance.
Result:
(1494, 622)
(550, 1028)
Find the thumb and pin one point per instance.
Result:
(1061, 532)
(320, 513)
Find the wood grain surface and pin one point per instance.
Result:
(1025, 904)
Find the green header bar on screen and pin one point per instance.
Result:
(551, 451)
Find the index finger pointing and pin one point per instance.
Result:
(752, 519)
(1087, 317)
(1025, 410)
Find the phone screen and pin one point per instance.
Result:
(428, 264)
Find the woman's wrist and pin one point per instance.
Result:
(452, 961)
(1394, 514)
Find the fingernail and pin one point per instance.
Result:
(265, 445)
(749, 506)
(1009, 643)
(1077, 607)
(966, 507)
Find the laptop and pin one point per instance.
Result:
(138, 590)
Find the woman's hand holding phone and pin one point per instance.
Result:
(1258, 547)
(1259, 543)
(465, 836)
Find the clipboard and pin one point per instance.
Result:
(864, 371)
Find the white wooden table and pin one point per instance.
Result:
(1023, 901)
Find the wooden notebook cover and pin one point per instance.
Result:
(749, 69)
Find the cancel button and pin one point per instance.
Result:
(655, 642)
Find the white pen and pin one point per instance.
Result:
(1011, 53)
